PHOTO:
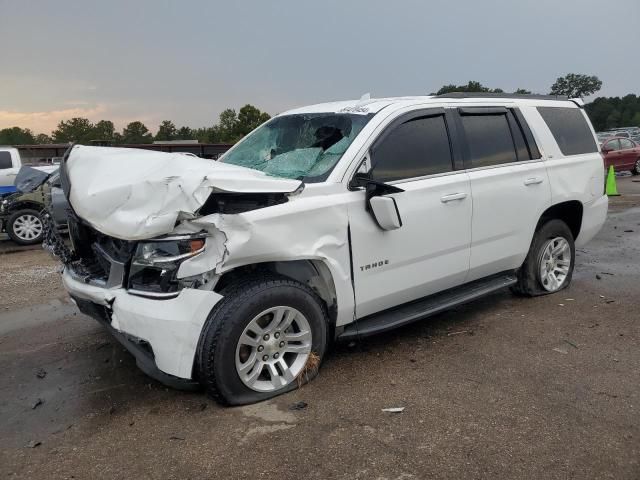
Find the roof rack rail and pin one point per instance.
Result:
(501, 95)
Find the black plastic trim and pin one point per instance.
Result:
(422, 308)
(534, 151)
(482, 110)
(451, 122)
(503, 95)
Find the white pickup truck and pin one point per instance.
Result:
(10, 164)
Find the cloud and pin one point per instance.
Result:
(46, 121)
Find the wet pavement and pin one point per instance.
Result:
(501, 388)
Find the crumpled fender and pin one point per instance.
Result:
(308, 230)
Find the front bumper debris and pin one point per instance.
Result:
(140, 349)
(163, 335)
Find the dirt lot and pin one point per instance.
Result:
(501, 388)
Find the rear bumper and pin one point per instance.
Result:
(593, 217)
(163, 335)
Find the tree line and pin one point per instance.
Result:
(605, 113)
(230, 128)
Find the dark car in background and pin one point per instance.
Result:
(621, 153)
(21, 213)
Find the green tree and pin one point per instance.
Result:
(136, 132)
(249, 118)
(613, 120)
(614, 112)
(185, 133)
(475, 87)
(16, 136)
(576, 85)
(471, 86)
(104, 130)
(227, 125)
(166, 131)
(79, 130)
(206, 134)
(42, 139)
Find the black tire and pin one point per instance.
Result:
(529, 277)
(636, 168)
(18, 238)
(216, 356)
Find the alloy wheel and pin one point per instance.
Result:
(273, 349)
(555, 263)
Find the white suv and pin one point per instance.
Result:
(333, 221)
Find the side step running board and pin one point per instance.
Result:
(419, 309)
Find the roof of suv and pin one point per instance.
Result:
(374, 105)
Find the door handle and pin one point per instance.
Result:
(533, 181)
(453, 196)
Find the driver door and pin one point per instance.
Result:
(430, 250)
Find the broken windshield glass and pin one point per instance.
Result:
(304, 146)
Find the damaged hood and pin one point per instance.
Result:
(135, 194)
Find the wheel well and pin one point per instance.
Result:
(313, 273)
(569, 212)
(25, 206)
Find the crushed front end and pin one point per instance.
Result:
(132, 288)
(137, 259)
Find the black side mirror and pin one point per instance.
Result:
(374, 187)
(359, 180)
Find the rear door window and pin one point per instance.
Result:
(626, 144)
(489, 140)
(570, 130)
(416, 147)
(612, 145)
(5, 160)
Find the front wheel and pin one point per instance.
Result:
(25, 227)
(636, 168)
(266, 337)
(548, 267)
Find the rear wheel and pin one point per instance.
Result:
(25, 227)
(266, 337)
(548, 267)
(636, 168)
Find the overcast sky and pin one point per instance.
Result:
(186, 61)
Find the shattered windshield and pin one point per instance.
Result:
(301, 146)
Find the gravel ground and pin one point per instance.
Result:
(504, 387)
(27, 278)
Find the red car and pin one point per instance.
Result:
(622, 153)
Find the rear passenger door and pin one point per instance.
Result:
(509, 186)
(628, 155)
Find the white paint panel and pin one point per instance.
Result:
(507, 203)
(429, 253)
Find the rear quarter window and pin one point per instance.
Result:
(570, 130)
